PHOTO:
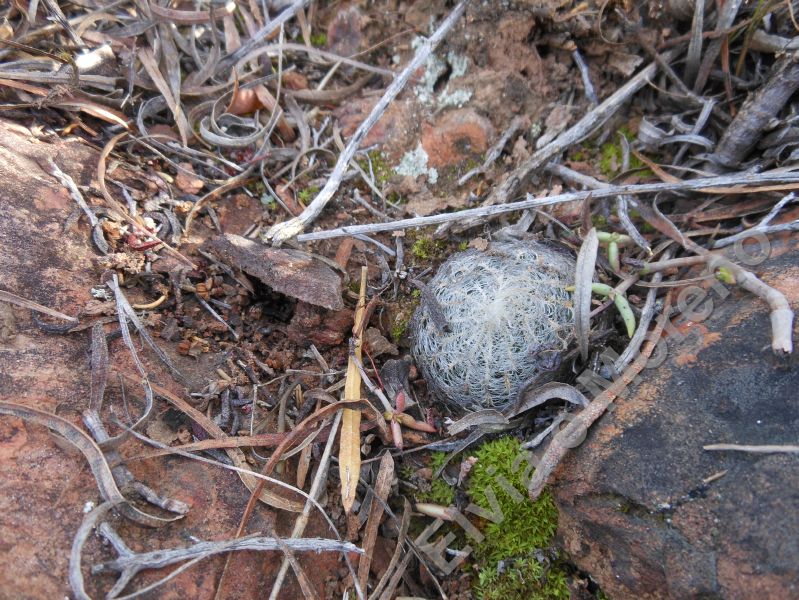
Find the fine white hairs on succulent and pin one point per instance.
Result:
(490, 322)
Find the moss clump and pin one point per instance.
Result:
(426, 248)
(440, 491)
(305, 195)
(611, 153)
(599, 221)
(525, 527)
(381, 170)
(398, 328)
(522, 579)
(319, 40)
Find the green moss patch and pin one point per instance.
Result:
(507, 556)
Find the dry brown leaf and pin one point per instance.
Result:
(247, 100)
(349, 458)
(381, 490)
(295, 81)
(187, 183)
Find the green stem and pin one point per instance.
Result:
(620, 300)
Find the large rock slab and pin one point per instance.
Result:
(650, 513)
(44, 484)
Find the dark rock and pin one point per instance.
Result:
(290, 272)
(650, 513)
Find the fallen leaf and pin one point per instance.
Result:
(185, 182)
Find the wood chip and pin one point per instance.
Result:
(290, 272)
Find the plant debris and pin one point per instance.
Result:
(274, 187)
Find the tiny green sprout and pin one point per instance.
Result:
(614, 240)
(607, 237)
(398, 328)
(319, 39)
(613, 256)
(724, 275)
(463, 246)
(619, 300)
(622, 305)
(416, 293)
(305, 195)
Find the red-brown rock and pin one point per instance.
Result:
(455, 137)
(648, 512)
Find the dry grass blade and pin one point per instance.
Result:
(127, 312)
(94, 456)
(147, 59)
(381, 491)
(302, 520)
(25, 303)
(481, 418)
(236, 456)
(191, 17)
(259, 36)
(88, 524)
(405, 521)
(583, 277)
(530, 397)
(349, 458)
(694, 54)
(299, 430)
(99, 367)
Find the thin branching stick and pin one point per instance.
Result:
(723, 184)
(129, 563)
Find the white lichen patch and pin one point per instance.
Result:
(457, 98)
(435, 68)
(459, 64)
(414, 164)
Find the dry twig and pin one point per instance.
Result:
(283, 232)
